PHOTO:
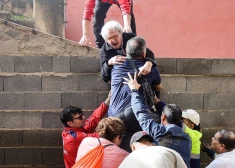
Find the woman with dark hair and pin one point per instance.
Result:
(111, 131)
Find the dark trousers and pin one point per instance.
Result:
(101, 8)
(132, 126)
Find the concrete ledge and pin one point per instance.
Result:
(33, 156)
(26, 42)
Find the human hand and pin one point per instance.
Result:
(116, 60)
(85, 40)
(127, 29)
(132, 83)
(146, 69)
(207, 148)
(107, 101)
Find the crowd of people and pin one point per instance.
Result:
(140, 131)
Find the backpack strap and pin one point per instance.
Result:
(108, 145)
(104, 145)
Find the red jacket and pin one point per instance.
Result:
(72, 137)
(125, 6)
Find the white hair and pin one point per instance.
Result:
(111, 25)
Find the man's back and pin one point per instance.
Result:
(152, 157)
(121, 94)
(224, 160)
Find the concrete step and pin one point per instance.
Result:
(26, 157)
(31, 138)
(32, 119)
(84, 64)
(51, 120)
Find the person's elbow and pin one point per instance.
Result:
(157, 87)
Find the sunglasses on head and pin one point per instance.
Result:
(79, 117)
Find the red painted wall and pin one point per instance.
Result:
(174, 28)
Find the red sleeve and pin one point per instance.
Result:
(93, 120)
(125, 6)
(88, 10)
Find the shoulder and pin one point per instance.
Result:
(127, 36)
(217, 163)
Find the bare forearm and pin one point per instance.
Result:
(86, 27)
(127, 20)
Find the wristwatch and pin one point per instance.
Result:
(134, 90)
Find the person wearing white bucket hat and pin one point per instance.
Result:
(191, 120)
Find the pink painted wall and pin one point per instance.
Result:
(174, 28)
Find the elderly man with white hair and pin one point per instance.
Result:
(114, 50)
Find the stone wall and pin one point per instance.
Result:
(43, 15)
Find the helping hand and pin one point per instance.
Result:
(85, 40)
(116, 60)
(127, 29)
(146, 69)
(133, 84)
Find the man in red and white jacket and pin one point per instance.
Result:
(99, 8)
(77, 127)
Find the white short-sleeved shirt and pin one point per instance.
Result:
(224, 160)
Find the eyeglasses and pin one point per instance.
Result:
(79, 117)
(113, 37)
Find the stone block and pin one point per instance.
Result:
(2, 118)
(2, 157)
(223, 66)
(28, 64)
(227, 84)
(10, 46)
(51, 120)
(166, 65)
(102, 96)
(164, 97)
(85, 65)
(61, 64)
(76, 50)
(93, 52)
(60, 83)
(11, 101)
(86, 100)
(103, 86)
(207, 134)
(203, 84)
(10, 138)
(6, 63)
(23, 120)
(1, 84)
(187, 100)
(20, 83)
(42, 101)
(23, 156)
(53, 156)
(88, 82)
(173, 84)
(42, 138)
(87, 113)
(194, 66)
(219, 101)
(210, 119)
(227, 119)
